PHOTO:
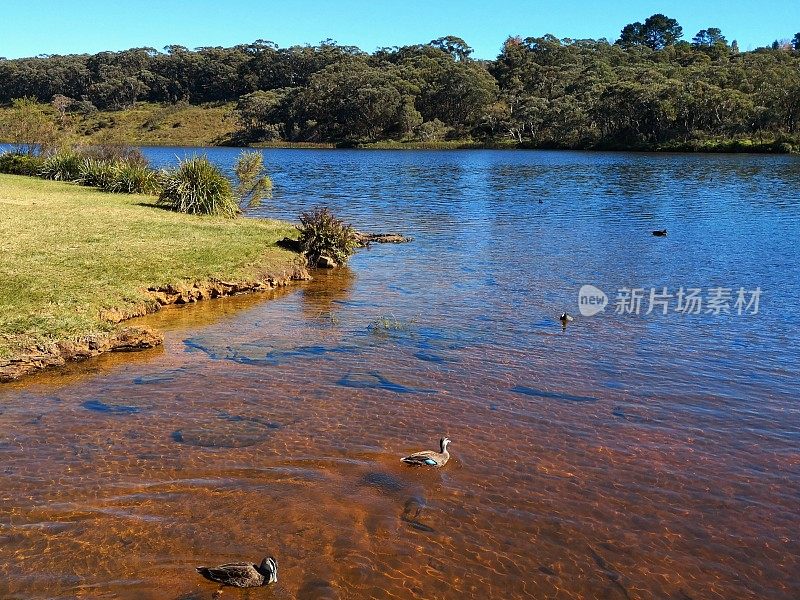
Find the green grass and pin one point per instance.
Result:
(149, 124)
(70, 253)
(158, 124)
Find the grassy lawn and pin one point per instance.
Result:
(68, 253)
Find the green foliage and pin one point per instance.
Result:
(198, 187)
(94, 172)
(260, 114)
(119, 171)
(351, 101)
(133, 178)
(63, 166)
(13, 163)
(323, 234)
(647, 90)
(656, 33)
(454, 46)
(709, 37)
(29, 127)
(253, 183)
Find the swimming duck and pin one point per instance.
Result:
(565, 318)
(243, 575)
(430, 458)
(660, 232)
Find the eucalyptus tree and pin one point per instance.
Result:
(657, 32)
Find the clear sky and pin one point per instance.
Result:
(31, 27)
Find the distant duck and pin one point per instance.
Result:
(429, 458)
(243, 575)
(660, 232)
(565, 318)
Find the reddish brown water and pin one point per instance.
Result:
(642, 457)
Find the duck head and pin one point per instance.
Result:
(443, 443)
(269, 569)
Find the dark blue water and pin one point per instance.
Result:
(504, 241)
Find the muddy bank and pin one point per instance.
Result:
(131, 339)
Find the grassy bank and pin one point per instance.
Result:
(73, 256)
(148, 124)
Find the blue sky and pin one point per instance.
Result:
(31, 27)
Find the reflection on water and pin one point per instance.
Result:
(650, 456)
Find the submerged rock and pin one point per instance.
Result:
(365, 239)
(375, 380)
(317, 589)
(385, 482)
(228, 431)
(109, 408)
(528, 391)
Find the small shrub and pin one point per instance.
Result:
(322, 234)
(64, 166)
(198, 187)
(253, 181)
(132, 178)
(20, 164)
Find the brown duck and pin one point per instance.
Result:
(429, 458)
(243, 575)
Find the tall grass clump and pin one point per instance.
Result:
(94, 172)
(323, 234)
(198, 187)
(63, 166)
(133, 178)
(253, 183)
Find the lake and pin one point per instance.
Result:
(651, 450)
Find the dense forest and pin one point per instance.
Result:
(649, 88)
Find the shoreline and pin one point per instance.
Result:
(721, 147)
(133, 339)
(78, 262)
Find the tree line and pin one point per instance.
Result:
(648, 87)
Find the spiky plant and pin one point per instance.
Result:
(253, 183)
(198, 187)
(63, 166)
(133, 178)
(97, 173)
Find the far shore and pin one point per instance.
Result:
(214, 125)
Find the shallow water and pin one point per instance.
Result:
(628, 456)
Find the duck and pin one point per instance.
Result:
(565, 318)
(429, 458)
(243, 575)
(660, 232)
